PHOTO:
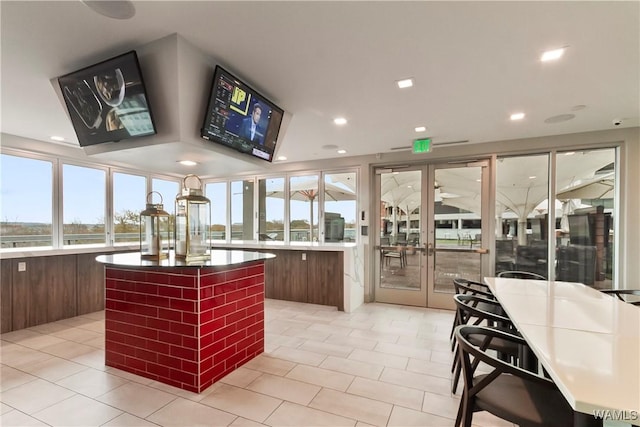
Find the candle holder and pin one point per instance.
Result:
(154, 230)
(193, 216)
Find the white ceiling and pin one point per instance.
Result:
(474, 63)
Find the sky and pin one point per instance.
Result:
(26, 195)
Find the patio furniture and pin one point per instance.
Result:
(532, 258)
(389, 252)
(576, 263)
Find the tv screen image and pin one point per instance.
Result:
(240, 118)
(108, 101)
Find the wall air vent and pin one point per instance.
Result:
(448, 143)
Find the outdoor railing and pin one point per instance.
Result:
(35, 240)
(31, 240)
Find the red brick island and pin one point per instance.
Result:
(184, 325)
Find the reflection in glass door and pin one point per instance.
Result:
(456, 247)
(430, 232)
(401, 278)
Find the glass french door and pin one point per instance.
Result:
(430, 230)
(401, 263)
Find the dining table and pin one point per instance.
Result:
(588, 343)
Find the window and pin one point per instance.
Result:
(446, 223)
(585, 195)
(303, 202)
(242, 210)
(168, 190)
(582, 235)
(271, 209)
(216, 192)
(129, 199)
(26, 209)
(340, 207)
(83, 208)
(522, 189)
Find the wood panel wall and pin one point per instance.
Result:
(6, 303)
(62, 286)
(326, 271)
(90, 285)
(51, 288)
(318, 279)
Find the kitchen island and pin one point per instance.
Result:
(184, 324)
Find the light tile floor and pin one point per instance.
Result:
(383, 365)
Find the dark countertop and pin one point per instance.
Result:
(218, 258)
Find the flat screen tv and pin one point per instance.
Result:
(107, 101)
(241, 118)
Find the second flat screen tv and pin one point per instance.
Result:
(240, 118)
(108, 102)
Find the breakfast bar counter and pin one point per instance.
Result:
(184, 324)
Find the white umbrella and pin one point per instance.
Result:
(601, 188)
(401, 189)
(306, 190)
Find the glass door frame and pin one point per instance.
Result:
(444, 300)
(413, 297)
(426, 295)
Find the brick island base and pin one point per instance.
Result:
(184, 326)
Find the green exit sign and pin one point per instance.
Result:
(422, 145)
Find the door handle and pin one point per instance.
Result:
(430, 249)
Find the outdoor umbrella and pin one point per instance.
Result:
(306, 190)
(401, 189)
(598, 188)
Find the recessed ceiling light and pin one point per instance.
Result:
(403, 84)
(187, 162)
(121, 9)
(560, 118)
(282, 157)
(340, 121)
(342, 151)
(532, 177)
(552, 55)
(570, 153)
(517, 116)
(420, 129)
(57, 138)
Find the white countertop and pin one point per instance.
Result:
(215, 258)
(297, 246)
(589, 342)
(236, 244)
